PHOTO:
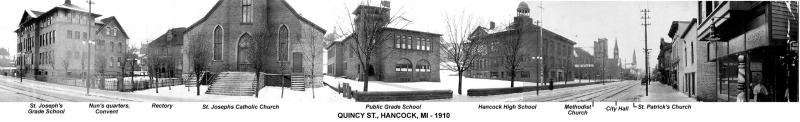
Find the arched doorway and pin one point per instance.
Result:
(244, 48)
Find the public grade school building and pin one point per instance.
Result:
(404, 55)
(232, 27)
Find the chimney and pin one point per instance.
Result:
(386, 4)
(68, 2)
(491, 25)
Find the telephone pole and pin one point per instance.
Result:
(646, 53)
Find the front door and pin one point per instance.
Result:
(297, 62)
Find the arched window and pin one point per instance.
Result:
(423, 70)
(244, 47)
(403, 70)
(283, 44)
(218, 43)
(403, 65)
(247, 11)
(423, 66)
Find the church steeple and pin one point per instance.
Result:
(616, 49)
(634, 59)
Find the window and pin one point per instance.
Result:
(69, 34)
(218, 36)
(85, 36)
(397, 41)
(283, 46)
(247, 11)
(692, 52)
(77, 35)
(423, 66)
(403, 65)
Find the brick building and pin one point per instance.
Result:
(404, 56)
(585, 65)
(558, 50)
(757, 37)
(166, 51)
(53, 44)
(695, 77)
(232, 27)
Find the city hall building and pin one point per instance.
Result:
(558, 50)
(233, 27)
(404, 55)
(52, 43)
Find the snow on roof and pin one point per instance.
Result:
(340, 39)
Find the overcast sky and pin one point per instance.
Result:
(580, 21)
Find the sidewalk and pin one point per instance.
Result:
(663, 93)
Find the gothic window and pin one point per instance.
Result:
(218, 36)
(247, 11)
(283, 46)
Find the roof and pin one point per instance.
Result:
(508, 28)
(677, 26)
(109, 20)
(294, 12)
(413, 31)
(579, 52)
(67, 6)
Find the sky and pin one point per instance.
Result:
(580, 21)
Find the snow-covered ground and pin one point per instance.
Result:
(448, 82)
(267, 94)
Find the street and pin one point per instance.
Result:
(7, 95)
(624, 91)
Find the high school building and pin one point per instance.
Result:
(404, 56)
(233, 27)
(558, 54)
(53, 44)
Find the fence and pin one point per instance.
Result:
(111, 82)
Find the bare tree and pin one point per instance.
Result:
(367, 38)
(199, 56)
(509, 51)
(457, 50)
(151, 60)
(255, 46)
(65, 62)
(314, 50)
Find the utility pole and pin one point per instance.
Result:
(646, 53)
(541, 50)
(89, 49)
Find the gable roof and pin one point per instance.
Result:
(111, 20)
(294, 12)
(68, 6)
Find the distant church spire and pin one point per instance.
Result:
(634, 59)
(616, 49)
